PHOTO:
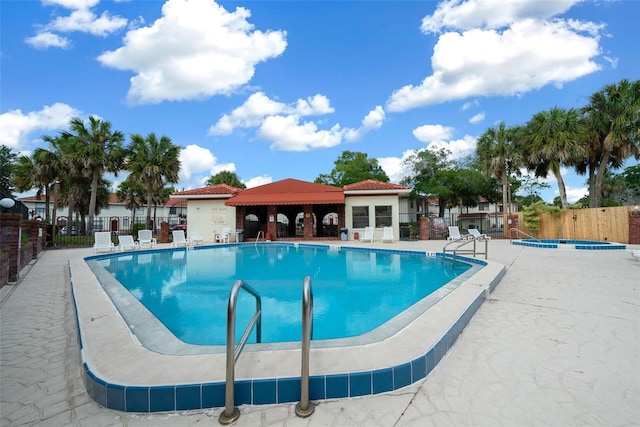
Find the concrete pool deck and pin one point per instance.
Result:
(557, 343)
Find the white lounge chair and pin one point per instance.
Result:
(179, 239)
(367, 236)
(193, 237)
(126, 242)
(477, 235)
(145, 237)
(387, 234)
(102, 241)
(454, 234)
(224, 236)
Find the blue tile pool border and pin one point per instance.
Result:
(584, 245)
(178, 397)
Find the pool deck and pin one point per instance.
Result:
(556, 343)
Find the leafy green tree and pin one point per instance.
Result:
(532, 189)
(226, 177)
(153, 162)
(499, 155)
(613, 132)
(553, 139)
(630, 194)
(97, 149)
(7, 162)
(353, 167)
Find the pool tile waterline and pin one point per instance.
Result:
(279, 390)
(275, 390)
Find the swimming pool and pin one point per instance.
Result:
(355, 291)
(121, 373)
(585, 245)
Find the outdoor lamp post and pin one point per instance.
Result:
(54, 220)
(7, 204)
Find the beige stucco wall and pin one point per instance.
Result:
(372, 202)
(206, 218)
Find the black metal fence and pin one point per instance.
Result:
(491, 224)
(18, 207)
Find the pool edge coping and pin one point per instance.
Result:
(116, 393)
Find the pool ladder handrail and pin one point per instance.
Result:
(231, 413)
(258, 236)
(305, 408)
(465, 242)
(517, 230)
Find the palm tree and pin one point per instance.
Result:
(131, 194)
(613, 126)
(97, 149)
(499, 155)
(153, 163)
(553, 139)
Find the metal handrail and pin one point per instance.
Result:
(231, 413)
(304, 408)
(517, 230)
(258, 236)
(464, 242)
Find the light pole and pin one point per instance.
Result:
(54, 220)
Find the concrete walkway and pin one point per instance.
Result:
(557, 343)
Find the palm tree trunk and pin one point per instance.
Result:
(597, 190)
(149, 202)
(505, 201)
(561, 188)
(92, 200)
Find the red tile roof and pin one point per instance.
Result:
(372, 186)
(288, 192)
(215, 191)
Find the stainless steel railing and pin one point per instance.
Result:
(231, 413)
(517, 230)
(304, 408)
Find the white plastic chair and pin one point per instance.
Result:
(179, 239)
(145, 237)
(367, 236)
(102, 241)
(224, 236)
(477, 235)
(454, 234)
(126, 242)
(387, 234)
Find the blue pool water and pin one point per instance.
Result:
(354, 291)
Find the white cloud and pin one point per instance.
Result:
(81, 19)
(196, 49)
(468, 105)
(395, 167)
(196, 160)
(463, 15)
(501, 48)
(574, 194)
(85, 21)
(459, 148)
(372, 121)
(612, 61)
(15, 127)
(259, 106)
(283, 125)
(429, 133)
(477, 118)
(258, 180)
(288, 133)
(46, 39)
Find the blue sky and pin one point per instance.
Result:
(278, 89)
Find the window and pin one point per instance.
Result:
(360, 216)
(483, 206)
(383, 216)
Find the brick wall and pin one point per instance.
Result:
(634, 228)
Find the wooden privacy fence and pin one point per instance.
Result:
(602, 224)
